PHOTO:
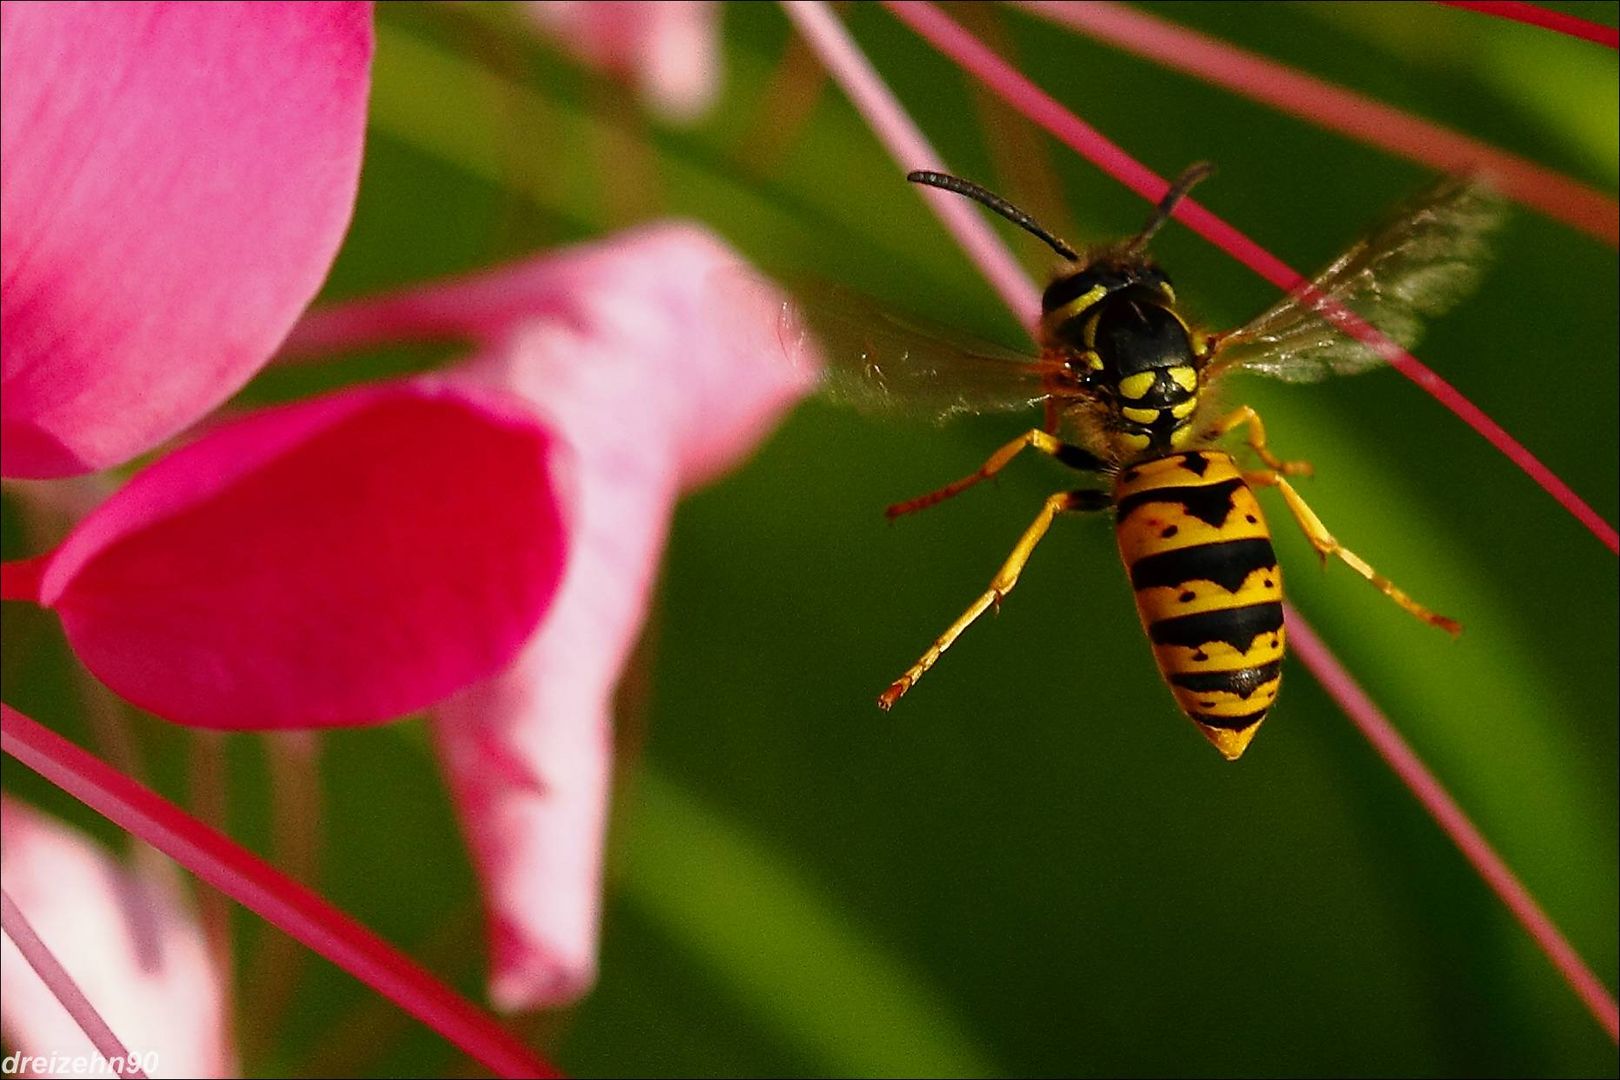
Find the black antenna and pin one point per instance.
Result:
(1167, 205)
(995, 202)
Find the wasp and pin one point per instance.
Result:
(1126, 381)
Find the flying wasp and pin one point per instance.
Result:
(1126, 383)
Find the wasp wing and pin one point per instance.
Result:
(1426, 257)
(856, 352)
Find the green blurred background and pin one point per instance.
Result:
(1034, 866)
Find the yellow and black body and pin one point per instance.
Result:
(1208, 588)
(1125, 381)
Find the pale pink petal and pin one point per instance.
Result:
(338, 561)
(129, 941)
(176, 179)
(655, 386)
(669, 48)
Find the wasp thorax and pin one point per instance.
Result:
(1117, 322)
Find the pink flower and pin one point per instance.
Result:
(670, 50)
(128, 939)
(338, 561)
(654, 374)
(177, 178)
(352, 558)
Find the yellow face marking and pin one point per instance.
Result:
(1091, 360)
(1133, 441)
(1185, 377)
(1179, 437)
(1141, 416)
(1185, 409)
(1134, 386)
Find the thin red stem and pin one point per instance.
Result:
(1355, 703)
(1451, 818)
(61, 984)
(1547, 19)
(255, 884)
(968, 52)
(1299, 94)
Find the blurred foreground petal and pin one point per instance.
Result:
(669, 48)
(339, 561)
(129, 941)
(656, 386)
(176, 180)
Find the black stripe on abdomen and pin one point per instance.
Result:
(1231, 723)
(1209, 503)
(1241, 682)
(1237, 627)
(1227, 563)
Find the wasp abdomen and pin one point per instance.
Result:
(1208, 588)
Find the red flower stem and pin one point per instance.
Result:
(1355, 703)
(1291, 91)
(20, 579)
(61, 984)
(965, 50)
(1547, 19)
(1451, 818)
(255, 884)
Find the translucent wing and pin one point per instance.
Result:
(860, 354)
(1424, 259)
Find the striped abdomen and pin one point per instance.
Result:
(1208, 588)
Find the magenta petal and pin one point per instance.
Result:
(127, 939)
(656, 385)
(176, 179)
(339, 561)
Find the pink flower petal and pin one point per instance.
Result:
(671, 50)
(128, 940)
(176, 180)
(339, 561)
(656, 388)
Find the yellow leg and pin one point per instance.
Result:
(1040, 440)
(1325, 545)
(1257, 440)
(1000, 585)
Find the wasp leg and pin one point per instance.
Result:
(1069, 454)
(1000, 585)
(1325, 545)
(1257, 440)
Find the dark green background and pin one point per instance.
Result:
(1034, 866)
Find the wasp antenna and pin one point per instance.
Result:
(990, 199)
(1167, 205)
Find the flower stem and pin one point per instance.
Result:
(1546, 18)
(252, 882)
(60, 983)
(1337, 108)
